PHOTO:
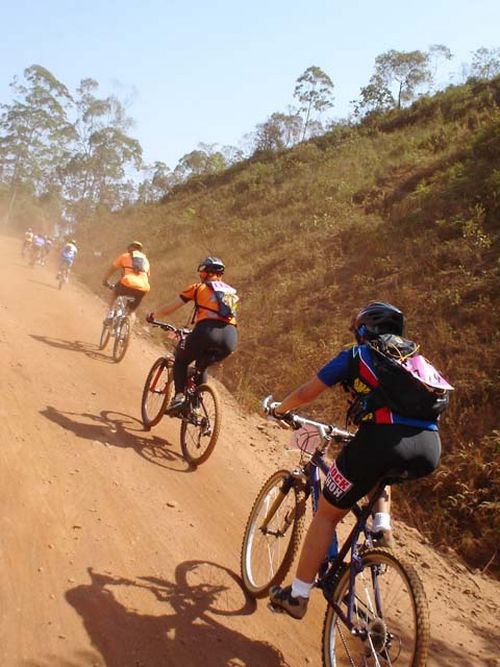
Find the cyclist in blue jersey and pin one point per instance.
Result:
(67, 256)
(384, 441)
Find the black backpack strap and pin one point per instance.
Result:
(212, 310)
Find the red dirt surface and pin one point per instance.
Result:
(113, 551)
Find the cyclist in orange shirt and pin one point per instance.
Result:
(214, 336)
(134, 280)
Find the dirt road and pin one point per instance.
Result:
(113, 551)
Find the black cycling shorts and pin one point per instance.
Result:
(375, 450)
(138, 295)
(209, 342)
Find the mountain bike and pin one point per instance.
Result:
(35, 255)
(201, 412)
(377, 614)
(118, 326)
(62, 276)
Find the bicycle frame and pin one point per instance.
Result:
(330, 570)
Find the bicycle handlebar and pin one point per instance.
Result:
(165, 326)
(327, 431)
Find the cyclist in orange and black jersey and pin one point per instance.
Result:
(134, 281)
(214, 334)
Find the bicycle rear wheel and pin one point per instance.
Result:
(273, 533)
(105, 334)
(122, 338)
(390, 605)
(201, 426)
(157, 392)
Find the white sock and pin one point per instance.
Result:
(301, 588)
(381, 521)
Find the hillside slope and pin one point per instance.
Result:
(403, 208)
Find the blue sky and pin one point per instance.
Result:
(209, 71)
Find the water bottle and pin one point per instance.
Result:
(334, 547)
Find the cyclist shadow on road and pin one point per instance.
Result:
(89, 349)
(44, 284)
(115, 429)
(151, 621)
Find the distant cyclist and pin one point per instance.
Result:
(37, 249)
(27, 241)
(67, 257)
(134, 280)
(214, 336)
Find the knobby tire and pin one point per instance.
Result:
(196, 445)
(157, 392)
(390, 601)
(122, 339)
(266, 557)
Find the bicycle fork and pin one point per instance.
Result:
(287, 485)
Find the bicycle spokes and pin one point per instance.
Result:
(380, 622)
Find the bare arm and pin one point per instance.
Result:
(303, 394)
(170, 307)
(109, 273)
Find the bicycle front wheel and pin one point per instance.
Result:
(201, 426)
(157, 392)
(389, 608)
(273, 533)
(122, 338)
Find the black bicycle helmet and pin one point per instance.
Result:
(212, 265)
(378, 318)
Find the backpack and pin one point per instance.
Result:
(226, 297)
(409, 385)
(138, 262)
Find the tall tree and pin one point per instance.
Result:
(34, 132)
(314, 91)
(279, 131)
(374, 98)
(158, 183)
(408, 70)
(485, 63)
(206, 159)
(437, 53)
(97, 168)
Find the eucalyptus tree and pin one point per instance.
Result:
(485, 63)
(314, 92)
(407, 70)
(437, 53)
(158, 183)
(278, 132)
(34, 133)
(206, 159)
(97, 171)
(397, 77)
(375, 97)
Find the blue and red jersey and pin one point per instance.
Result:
(362, 381)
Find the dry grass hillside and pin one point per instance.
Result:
(405, 208)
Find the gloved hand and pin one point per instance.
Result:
(285, 417)
(150, 317)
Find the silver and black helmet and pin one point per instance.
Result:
(212, 265)
(378, 318)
